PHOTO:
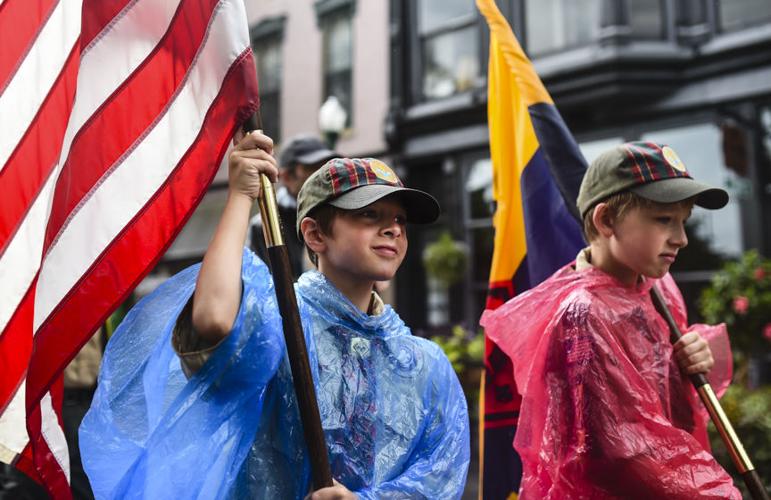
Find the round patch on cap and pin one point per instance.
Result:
(383, 171)
(672, 158)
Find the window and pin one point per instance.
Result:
(738, 14)
(266, 44)
(765, 130)
(553, 25)
(337, 55)
(449, 44)
(646, 18)
(478, 210)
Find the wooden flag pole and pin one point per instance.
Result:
(293, 331)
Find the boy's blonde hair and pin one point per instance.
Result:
(619, 206)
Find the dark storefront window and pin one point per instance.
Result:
(646, 18)
(554, 25)
(337, 49)
(449, 41)
(738, 14)
(266, 43)
(478, 209)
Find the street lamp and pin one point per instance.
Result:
(332, 117)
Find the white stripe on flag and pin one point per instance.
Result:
(13, 427)
(21, 260)
(115, 202)
(41, 66)
(100, 74)
(113, 56)
(54, 434)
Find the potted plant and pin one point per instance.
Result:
(740, 296)
(445, 260)
(465, 349)
(445, 264)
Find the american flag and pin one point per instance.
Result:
(114, 116)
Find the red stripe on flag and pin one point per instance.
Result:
(97, 15)
(16, 347)
(25, 19)
(25, 464)
(35, 156)
(37, 153)
(128, 113)
(136, 250)
(50, 473)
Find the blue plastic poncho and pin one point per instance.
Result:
(393, 412)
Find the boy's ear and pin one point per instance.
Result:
(603, 220)
(312, 235)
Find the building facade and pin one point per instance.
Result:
(305, 51)
(694, 74)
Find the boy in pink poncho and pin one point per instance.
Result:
(608, 410)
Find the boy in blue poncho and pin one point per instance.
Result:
(218, 418)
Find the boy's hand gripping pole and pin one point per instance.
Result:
(293, 331)
(735, 449)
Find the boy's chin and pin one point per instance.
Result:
(656, 274)
(382, 276)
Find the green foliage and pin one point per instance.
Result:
(464, 349)
(750, 413)
(445, 260)
(740, 296)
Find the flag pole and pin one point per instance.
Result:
(735, 448)
(293, 331)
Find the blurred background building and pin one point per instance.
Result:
(306, 51)
(411, 78)
(695, 74)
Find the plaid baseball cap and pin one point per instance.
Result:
(353, 183)
(652, 171)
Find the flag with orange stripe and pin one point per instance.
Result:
(115, 117)
(537, 170)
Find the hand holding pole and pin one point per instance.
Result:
(727, 433)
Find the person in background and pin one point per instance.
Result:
(301, 155)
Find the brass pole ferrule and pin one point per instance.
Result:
(726, 430)
(271, 224)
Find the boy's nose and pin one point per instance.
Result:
(679, 238)
(393, 230)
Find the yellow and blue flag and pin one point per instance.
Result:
(537, 171)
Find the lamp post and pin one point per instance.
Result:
(332, 117)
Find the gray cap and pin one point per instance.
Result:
(305, 149)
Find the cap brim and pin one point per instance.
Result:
(318, 156)
(421, 207)
(682, 188)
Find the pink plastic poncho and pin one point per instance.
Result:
(606, 412)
